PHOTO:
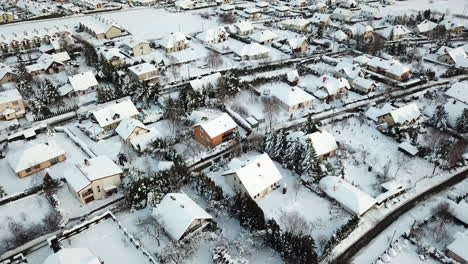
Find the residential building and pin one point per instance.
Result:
(90, 4)
(456, 57)
(29, 159)
(144, 72)
(256, 179)
(253, 13)
(6, 17)
(459, 92)
(330, 88)
(216, 131)
(320, 19)
(102, 28)
(202, 83)
(323, 142)
(298, 24)
(426, 27)
(253, 51)
(454, 27)
(6, 74)
(180, 216)
(264, 37)
(404, 116)
(185, 4)
(457, 249)
(11, 105)
(342, 14)
(263, 6)
(292, 98)
(363, 85)
(94, 179)
(73, 256)
(396, 32)
(130, 128)
(299, 45)
(243, 28)
(176, 41)
(213, 36)
(80, 84)
(227, 9)
(110, 115)
(113, 56)
(47, 65)
(347, 70)
(282, 11)
(136, 47)
(292, 77)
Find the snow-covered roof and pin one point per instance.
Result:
(253, 49)
(142, 141)
(323, 142)
(9, 96)
(173, 39)
(459, 56)
(332, 85)
(397, 30)
(72, 256)
(454, 110)
(296, 43)
(458, 246)
(262, 4)
(450, 24)
(244, 26)
(83, 81)
(350, 70)
(219, 125)
(459, 211)
(291, 96)
(176, 213)
(362, 60)
(110, 53)
(359, 28)
(213, 34)
(227, 7)
(458, 91)
(4, 69)
(282, 8)
(264, 35)
(340, 35)
(100, 24)
(408, 148)
(352, 198)
(364, 83)
(342, 12)
(203, 82)
(318, 18)
(252, 10)
(132, 42)
(426, 26)
(142, 68)
(30, 155)
(258, 175)
(113, 113)
(405, 113)
(398, 69)
(299, 22)
(127, 126)
(374, 113)
(292, 76)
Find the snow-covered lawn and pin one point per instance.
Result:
(409, 255)
(443, 6)
(26, 211)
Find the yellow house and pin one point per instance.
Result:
(32, 159)
(130, 128)
(6, 74)
(94, 179)
(144, 72)
(6, 17)
(11, 105)
(102, 28)
(136, 47)
(177, 41)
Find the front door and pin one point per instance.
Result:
(89, 199)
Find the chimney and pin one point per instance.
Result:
(181, 205)
(86, 162)
(173, 198)
(324, 78)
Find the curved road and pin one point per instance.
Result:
(346, 256)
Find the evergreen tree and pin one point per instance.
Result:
(49, 184)
(427, 14)
(2, 192)
(310, 126)
(462, 122)
(49, 92)
(269, 143)
(250, 214)
(292, 154)
(22, 73)
(439, 119)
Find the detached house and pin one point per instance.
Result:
(136, 47)
(180, 216)
(103, 28)
(110, 115)
(363, 85)
(176, 41)
(299, 24)
(282, 11)
(253, 51)
(263, 6)
(321, 20)
(94, 179)
(6, 17)
(403, 116)
(6, 74)
(457, 249)
(342, 14)
(323, 142)
(257, 178)
(144, 72)
(456, 57)
(130, 128)
(73, 256)
(292, 98)
(253, 13)
(264, 37)
(426, 27)
(227, 9)
(396, 32)
(243, 28)
(216, 131)
(330, 88)
(113, 56)
(80, 84)
(451, 26)
(34, 158)
(11, 105)
(347, 70)
(299, 45)
(213, 36)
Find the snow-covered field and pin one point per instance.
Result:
(443, 6)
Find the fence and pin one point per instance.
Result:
(56, 113)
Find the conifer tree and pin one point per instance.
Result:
(462, 122)
(439, 119)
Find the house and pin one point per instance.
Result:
(351, 198)
(299, 45)
(403, 116)
(321, 20)
(459, 92)
(6, 74)
(113, 56)
(213, 36)
(292, 98)
(257, 178)
(457, 249)
(227, 9)
(349, 4)
(110, 115)
(216, 131)
(398, 71)
(136, 47)
(90, 4)
(299, 24)
(299, 3)
(180, 216)
(263, 6)
(292, 77)
(344, 69)
(323, 142)
(374, 113)
(370, 12)
(342, 14)
(176, 41)
(253, 51)
(264, 37)
(144, 2)
(451, 26)
(340, 36)
(94, 179)
(6, 17)
(408, 149)
(396, 32)
(11, 105)
(144, 72)
(80, 84)
(253, 13)
(426, 27)
(456, 57)
(318, 7)
(46, 65)
(243, 28)
(282, 11)
(330, 88)
(72, 256)
(130, 128)
(102, 28)
(202, 83)
(359, 29)
(30, 159)
(363, 85)
(185, 4)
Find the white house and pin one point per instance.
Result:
(256, 179)
(144, 72)
(330, 88)
(459, 92)
(342, 14)
(253, 51)
(130, 128)
(282, 11)
(396, 32)
(213, 35)
(292, 98)
(321, 19)
(94, 179)
(110, 115)
(203, 82)
(351, 198)
(426, 27)
(136, 47)
(80, 83)
(323, 142)
(264, 36)
(180, 216)
(243, 28)
(347, 70)
(364, 85)
(176, 41)
(405, 115)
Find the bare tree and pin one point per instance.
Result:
(456, 153)
(150, 227)
(214, 59)
(295, 223)
(270, 109)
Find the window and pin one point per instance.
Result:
(54, 160)
(14, 103)
(27, 170)
(37, 166)
(98, 188)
